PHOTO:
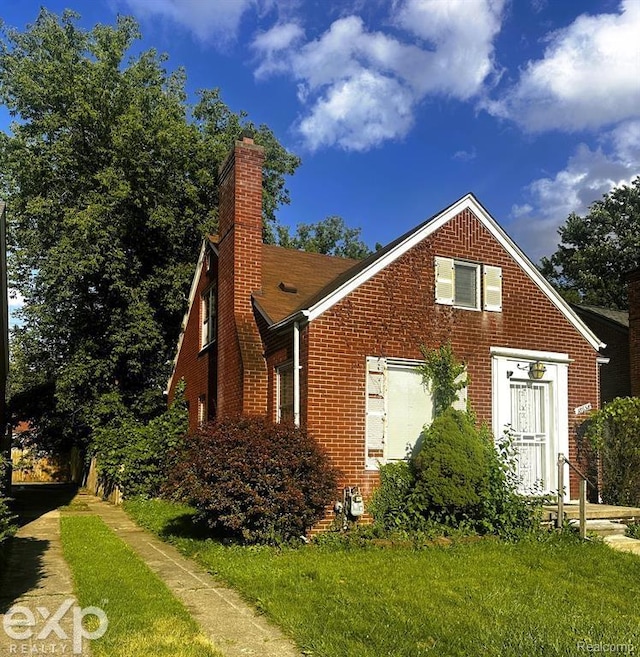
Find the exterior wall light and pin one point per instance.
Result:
(537, 370)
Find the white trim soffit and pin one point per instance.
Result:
(185, 319)
(530, 354)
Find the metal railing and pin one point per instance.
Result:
(584, 480)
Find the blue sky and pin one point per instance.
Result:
(399, 107)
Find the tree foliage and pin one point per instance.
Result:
(111, 183)
(598, 250)
(443, 375)
(615, 432)
(135, 456)
(330, 236)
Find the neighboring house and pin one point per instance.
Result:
(633, 281)
(5, 436)
(612, 327)
(333, 344)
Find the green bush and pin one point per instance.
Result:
(253, 480)
(389, 503)
(503, 510)
(451, 468)
(7, 528)
(135, 456)
(459, 480)
(615, 433)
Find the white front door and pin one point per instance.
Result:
(534, 438)
(534, 411)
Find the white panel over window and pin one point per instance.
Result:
(410, 408)
(492, 288)
(444, 280)
(398, 408)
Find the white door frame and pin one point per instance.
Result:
(512, 364)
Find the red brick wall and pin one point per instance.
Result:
(242, 377)
(394, 312)
(196, 366)
(634, 331)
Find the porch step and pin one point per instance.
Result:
(594, 512)
(601, 527)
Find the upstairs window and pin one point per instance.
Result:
(468, 285)
(209, 315)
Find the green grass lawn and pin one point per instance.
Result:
(144, 617)
(485, 597)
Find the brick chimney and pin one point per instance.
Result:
(242, 373)
(633, 281)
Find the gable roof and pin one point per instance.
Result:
(610, 315)
(303, 274)
(352, 278)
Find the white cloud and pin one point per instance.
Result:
(462, 32)
(352, 116)
(207, 19)
(465, 156)
(588, 78)
(273, 43)
(361, 87)
(589, 174)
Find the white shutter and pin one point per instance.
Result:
(445, 288)
(375, 423)
(492, 278)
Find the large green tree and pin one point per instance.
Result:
(330, 236)
(598, 250)
(111, 182)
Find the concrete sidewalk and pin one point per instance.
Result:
(233, 627)
(37, 578)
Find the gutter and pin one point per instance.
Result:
(296, 373)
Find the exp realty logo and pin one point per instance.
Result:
(21, 624)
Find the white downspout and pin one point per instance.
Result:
(296, 374)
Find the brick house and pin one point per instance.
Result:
(332, 344)
(612, 327)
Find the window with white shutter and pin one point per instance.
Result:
(492, 283)
(458, 284)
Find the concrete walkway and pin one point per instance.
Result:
(623, 544)
(37, 581)
(233, 627)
